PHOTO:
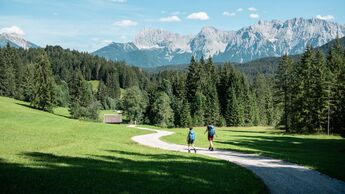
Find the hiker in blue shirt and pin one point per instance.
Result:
(191, 139)
(211, 132)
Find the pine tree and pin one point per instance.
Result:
(210, 93)
(320, 90)
(336, 63)
(232, 115)
(185, 119)
(302, 99)
(113, 85)
(28, 82)
(76, 93)
(178, 94)
(19, 73)
(102, 94)
(283, 81)
(149, 111)
(199, 102)
(164, 116)
(193, 85)
(7, 72)
(261, 97)
(43, 84)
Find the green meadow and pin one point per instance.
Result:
(42, 152)
(320, 152)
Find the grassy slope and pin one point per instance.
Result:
(47, 153)
(321, 152)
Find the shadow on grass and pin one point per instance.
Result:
(26, 105)
(31, 107)
(324, 155)
(116, 173)
(273, 131)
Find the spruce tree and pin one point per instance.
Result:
(102, 94)
(43, 84)
(210, 92)
(320, 91)
(76, 94)
(232, 115)
(225, 80)
(113, 85)
(28, 82)
(302, 99)
(7, 72)
(336, 65)
(283, 81)
(185, 119)
(193, 84)
(164, 116)
(179, 101)
(199, 102)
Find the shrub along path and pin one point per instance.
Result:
(278, 175)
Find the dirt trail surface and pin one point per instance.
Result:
(279, 176)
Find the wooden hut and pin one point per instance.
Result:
(112, 118)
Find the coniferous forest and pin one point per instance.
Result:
(303, 96)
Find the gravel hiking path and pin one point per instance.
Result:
(279, 176)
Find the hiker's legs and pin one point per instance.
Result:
(194, 147)
(188, 147)
(211, 146)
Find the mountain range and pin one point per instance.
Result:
(157, 47)
(15, 41)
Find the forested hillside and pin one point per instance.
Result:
(301, 95)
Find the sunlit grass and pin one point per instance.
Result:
(51, 153)
(321, 152)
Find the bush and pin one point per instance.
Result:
(92, 111)
(221, 122)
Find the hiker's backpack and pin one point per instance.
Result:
(191, 135)
(211, 130)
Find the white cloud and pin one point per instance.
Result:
(198, 16)
(226, 13)
(252, 9)
(123, 37)
(125, 23)
(239, 9)
(326, 17)
(173, 18)
(253, 15)
(12, 30)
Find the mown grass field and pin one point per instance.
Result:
(320, 152)
(50, 153)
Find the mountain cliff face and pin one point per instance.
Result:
(155, 47)
(15, 41)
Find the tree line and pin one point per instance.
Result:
(303, 96)
(59, 77)
(311, 91)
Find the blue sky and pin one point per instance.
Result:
(87, 25)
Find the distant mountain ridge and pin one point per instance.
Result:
(15, 41)
(266, 65)
(156, 47)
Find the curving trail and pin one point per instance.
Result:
(279, 176)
